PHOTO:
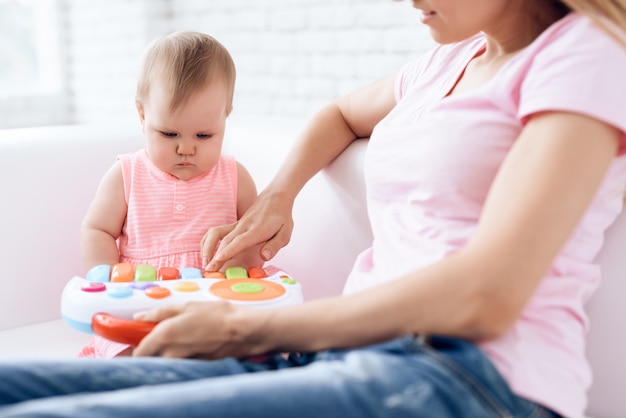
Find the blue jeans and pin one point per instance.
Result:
(405, 377)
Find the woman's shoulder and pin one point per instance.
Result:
(577, 34)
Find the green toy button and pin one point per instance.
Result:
(247, 287)
(145, 273)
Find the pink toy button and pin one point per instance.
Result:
(94, 287)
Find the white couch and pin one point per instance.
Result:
(49, 176)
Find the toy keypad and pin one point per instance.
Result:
(145, 278)
(123, 289)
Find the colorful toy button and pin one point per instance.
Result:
(158, 292)
(247, 287)
(119, 292)
(190, 273)
(213, 275)
(145, 273)
(142, 285)
(168, 273)
(256, 273)
(94, 287)
(236, 272)
(122, 272)
(100, 273)
(184, 286)
(287, 280)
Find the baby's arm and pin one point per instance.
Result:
(103, 221)
(246, 196)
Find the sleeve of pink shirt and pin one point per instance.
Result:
(580, 70)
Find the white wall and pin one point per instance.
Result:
(291, 55)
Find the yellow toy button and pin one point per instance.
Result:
(186, 286)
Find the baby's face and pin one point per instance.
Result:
(185, 143)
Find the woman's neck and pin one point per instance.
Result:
(509, 36)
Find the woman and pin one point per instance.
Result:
(495, 164)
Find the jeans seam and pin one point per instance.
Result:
(481, 394)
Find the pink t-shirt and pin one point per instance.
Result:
(430, 164)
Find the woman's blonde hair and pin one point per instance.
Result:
(184, 62)
(596, 10)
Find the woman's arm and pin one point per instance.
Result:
(103, 221)
(269, 221)
(538, 197)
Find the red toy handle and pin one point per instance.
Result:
(120, 330)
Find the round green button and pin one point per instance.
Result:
(247, 287)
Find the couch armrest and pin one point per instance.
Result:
(49, 177)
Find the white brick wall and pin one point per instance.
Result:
(292, 56)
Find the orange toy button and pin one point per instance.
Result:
(213, 275)
(256, 273)
(234, 289)
(122, 272)
(157, 292)
(186, 286)
(168, 273)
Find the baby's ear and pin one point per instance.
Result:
(141, 113)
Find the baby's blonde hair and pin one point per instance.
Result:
(185, 62)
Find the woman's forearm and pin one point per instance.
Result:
(323, 139)
(447, 298)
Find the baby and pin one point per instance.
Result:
(155, 206)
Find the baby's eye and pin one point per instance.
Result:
(204, 136)
(169, 134)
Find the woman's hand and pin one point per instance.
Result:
(208, 330)
(268, 222)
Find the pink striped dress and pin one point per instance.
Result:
(167, 218)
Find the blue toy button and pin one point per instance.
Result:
(99, 274)
(190, 273)
(120, 292)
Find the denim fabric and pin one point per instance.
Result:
(405, 377)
